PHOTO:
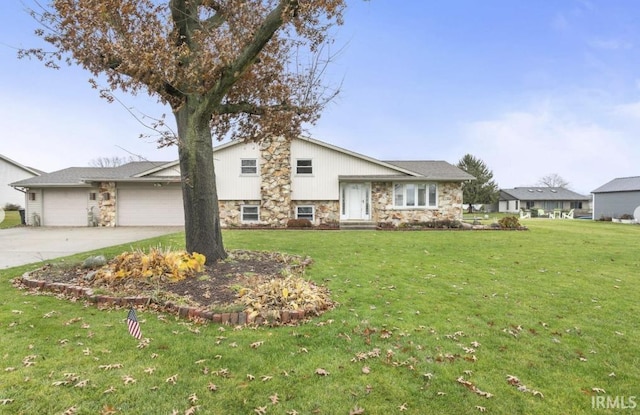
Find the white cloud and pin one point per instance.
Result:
(521, 147)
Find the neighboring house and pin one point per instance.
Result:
(545, 198)
(619, 197)
(264, 184)
(11, 171)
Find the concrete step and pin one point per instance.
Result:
(357, 225)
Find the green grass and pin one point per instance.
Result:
(556, 306)
(11, 219)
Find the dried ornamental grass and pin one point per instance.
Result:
(289, 293)
(157, 263)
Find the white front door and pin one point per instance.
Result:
(355, 201)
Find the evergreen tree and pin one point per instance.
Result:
(482, 190)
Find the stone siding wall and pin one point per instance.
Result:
(275, 185)
(327, 212)
(449, 205)
(107, 204)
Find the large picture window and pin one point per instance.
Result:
(415, 195)
(250, 213)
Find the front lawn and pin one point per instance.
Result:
(449, 322)
(11, 219)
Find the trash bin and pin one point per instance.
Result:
(22, 219)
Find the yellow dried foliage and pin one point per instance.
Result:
(173, 265)
(290, 293)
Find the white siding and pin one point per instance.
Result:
(10, 173)
(328, 164)
(231, 184)
(65, 207)
(33, 206)
(147, 205)
(169, 171)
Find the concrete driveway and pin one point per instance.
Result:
(24, 245)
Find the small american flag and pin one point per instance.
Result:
(134, 326)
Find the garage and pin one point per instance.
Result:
(150, 205)
(65, 207)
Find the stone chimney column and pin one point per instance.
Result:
(275, 181)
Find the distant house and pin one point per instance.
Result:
(619, 197)
(545, 198)
(262, 184)
(11, 171)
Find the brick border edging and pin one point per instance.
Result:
(233, 318)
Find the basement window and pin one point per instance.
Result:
(305, 212)
(250, 213)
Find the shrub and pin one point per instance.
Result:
(11, 207)
(509, 222)
(626, 216)
(299, 223)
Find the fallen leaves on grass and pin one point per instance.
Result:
(473, 388)
(514, 381)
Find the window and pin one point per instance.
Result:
(576, 205)
(305, 212)
(248, 166)
(415, 195)
(106, 196)
(250, 213)
(32, 196)
(93, 196)
(304, 166)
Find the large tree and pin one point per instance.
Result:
(227, 68)
(553, 180)
(482, 190)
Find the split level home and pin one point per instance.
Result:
(11, 171)
(266, 184)
(543, 199)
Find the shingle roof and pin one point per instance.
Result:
(621, 184)
(433, 169)
(77, 175)
(540, 193)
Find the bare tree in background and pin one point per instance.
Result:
(113, 161)
(227, 68)
(553, 180)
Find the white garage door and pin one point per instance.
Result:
(65, 207)
(146, 205)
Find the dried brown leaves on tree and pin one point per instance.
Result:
(227, 68)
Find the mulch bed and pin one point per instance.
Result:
(213, 290)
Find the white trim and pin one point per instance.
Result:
(313, 212)
(242, 214)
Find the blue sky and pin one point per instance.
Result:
(529, 87)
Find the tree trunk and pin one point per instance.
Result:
(199, 194)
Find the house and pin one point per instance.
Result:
(618, 197)
(264, 183)
(544, 198)
(11, 171)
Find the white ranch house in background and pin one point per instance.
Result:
(12, 171)
(264, 183)
(544, 198)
